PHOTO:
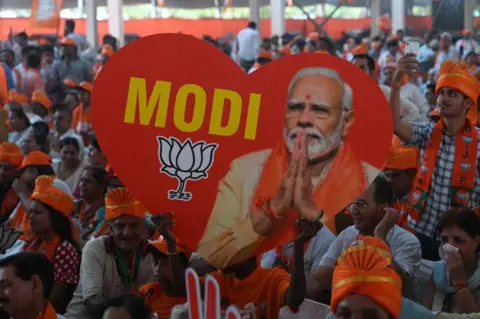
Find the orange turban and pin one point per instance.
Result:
(36, 158)
(360, 49)
(456, 75)
(15, 97)
(365, 269)
(107, 50)
(402, 157)
(120, 201)
(161, 245)
(41, 98)
(46, 192)
(11, 153)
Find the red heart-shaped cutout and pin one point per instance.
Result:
(187, 131)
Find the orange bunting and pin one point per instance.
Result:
(120, 201)
(365, 269)
(11, 153)
(46, 192)
(456, 75)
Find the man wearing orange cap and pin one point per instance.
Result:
(116, 264)
(170, 262)
(449, 176)
(11, 157)
(71, 66)
(81, 121)
(15, 100)
(106, 53)
(400, 170)
(41, 104)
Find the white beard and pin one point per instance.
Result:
(318, 146)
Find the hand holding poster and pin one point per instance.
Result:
(238, 158)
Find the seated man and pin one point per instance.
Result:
(371, 217)
(106, 261)
(26, 280)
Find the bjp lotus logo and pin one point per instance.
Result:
(184, 162)
(8, 237)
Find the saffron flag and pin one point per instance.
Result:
(46, 13)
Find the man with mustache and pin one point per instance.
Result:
(305, 174)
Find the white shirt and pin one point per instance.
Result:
(443, 56)
(385, 58)
(249, 43)
(412, 93)
(408, 111)
(469, 45)
(314, 253)
(405, 248)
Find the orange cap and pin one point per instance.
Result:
(107, 50)
(41, 98)
(360, 49)
(161, 245)
(46, 192)
(87, 86)
(70, 83)
(120, 201)
(266, 54)
(403, 158)
(36, 158)
(314, 36)
(68, 41)
(11, 153)
(456, 75)
(15, 97)
(365, 269)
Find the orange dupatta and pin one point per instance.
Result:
(49, 312)
(464, 167)
(158, 301)
(9, 202)
(331, 195)
(3, 86)
(46, 247)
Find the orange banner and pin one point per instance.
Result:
(46, 13)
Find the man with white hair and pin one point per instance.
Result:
(447, 50)
(264, 190)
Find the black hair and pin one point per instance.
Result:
(22, 35)
(62, 226)
(133, 304)
(47, 48)
(28, 264)
(470, 53)
(18, 112)
(70, 24)
(465, 219)
(43, 169)
(70, 141)
(376, 38)
(383, 192)
(431, 87)
(159, 255)
(33, 60)
(370, 60)
(252, 25)
(40, 133)
(28, 49)
(94, 144)
(300, 44)
(99, 175)
(61, 108)
(392, 43)
(8, 51)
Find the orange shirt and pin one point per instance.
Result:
(81, 121)
(258, 296)
(160, 302)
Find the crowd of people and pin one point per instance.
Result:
(76, 244)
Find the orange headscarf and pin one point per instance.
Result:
(120, 201)
(15, 97)
(46, 192)
(365, 269)
(36, 158)
(161, 245)
(41, 98)
(456, 75)
(11, 153)
(403, 158)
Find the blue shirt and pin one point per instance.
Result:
(9, 77)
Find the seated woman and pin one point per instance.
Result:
(70, 168)
(50, 222)
(37, 139)
(93, 185)
(455, 283)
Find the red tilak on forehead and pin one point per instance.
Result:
(308, 97)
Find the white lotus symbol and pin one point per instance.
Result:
(184, 161)
(8, 237)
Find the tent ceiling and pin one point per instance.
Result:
(188, 4)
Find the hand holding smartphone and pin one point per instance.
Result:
(412, 47)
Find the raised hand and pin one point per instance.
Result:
(307, 229)
(387, 223)
(407, 65)
(164, 224)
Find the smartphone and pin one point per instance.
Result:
(412, 47)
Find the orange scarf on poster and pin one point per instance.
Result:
(9, 202)
(331, 195)
(464, 167)
(47, 247)
(264, 288)
(160, 303)
(49, 312)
